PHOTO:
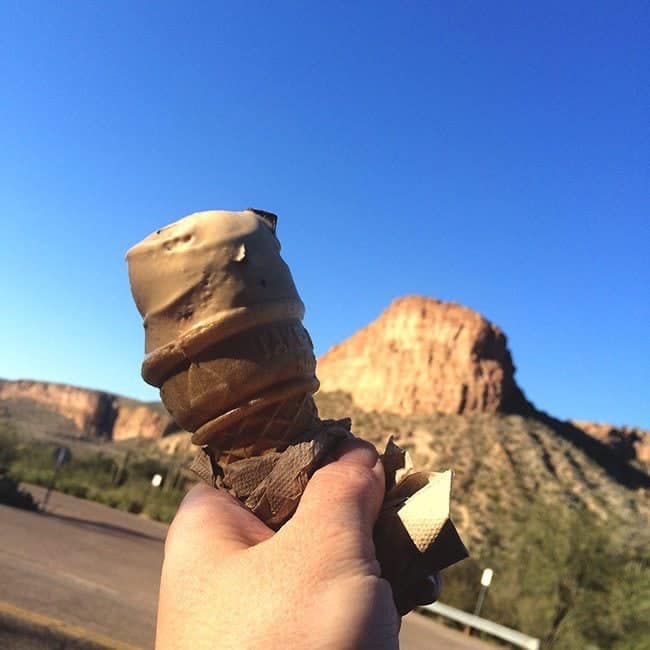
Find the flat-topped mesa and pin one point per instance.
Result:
(224, 340)
(425, 356)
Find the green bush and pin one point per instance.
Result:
(564, 576)
(163, 508)
(122, 481)
(8, 445)
(72, 487)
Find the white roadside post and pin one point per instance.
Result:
(156, 482)
(486, 581)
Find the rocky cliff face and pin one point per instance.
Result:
(89, 412)
(424, 356)
(142, 421)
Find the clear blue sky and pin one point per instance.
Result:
(495, 154)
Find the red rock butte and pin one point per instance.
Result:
(424, 356)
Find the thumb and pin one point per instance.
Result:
(343, 498)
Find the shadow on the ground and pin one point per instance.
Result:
(111, 529)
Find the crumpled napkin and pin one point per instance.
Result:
(414, 535)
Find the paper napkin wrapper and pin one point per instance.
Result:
(414, 536)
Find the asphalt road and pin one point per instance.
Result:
(96, 569)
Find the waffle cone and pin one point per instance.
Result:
(272, 428)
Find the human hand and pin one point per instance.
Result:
(229, 581)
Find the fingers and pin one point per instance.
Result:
(211, 521)
(344, 496)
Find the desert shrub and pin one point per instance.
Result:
(122, 482)
(8, 444)
(146, 467)
(562, 575)
(163, 507)
(72, 486)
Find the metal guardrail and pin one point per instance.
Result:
(482, 624)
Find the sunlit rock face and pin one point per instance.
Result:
(424, 356)
(90, 413)
(142, 422)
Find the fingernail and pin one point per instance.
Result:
(359, 452)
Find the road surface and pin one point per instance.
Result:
(96, 570)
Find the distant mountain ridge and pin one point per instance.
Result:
(82, 412)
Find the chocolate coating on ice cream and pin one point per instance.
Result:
(210, 268)
(222, 319)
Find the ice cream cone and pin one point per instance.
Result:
(225, 344)
(224, 339)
